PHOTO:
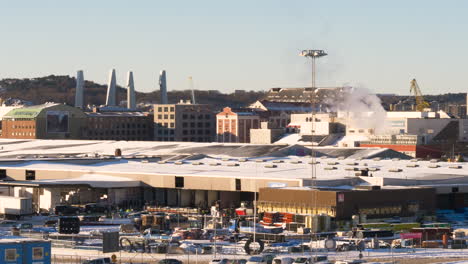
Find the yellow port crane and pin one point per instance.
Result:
(420, 103)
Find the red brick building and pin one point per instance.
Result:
(234, 125)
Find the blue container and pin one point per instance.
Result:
(21, 250)
(37, 252)
(11, 252)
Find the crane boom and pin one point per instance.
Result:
(420, 103)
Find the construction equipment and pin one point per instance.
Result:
(420, 103)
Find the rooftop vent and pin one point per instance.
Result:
(295, 161)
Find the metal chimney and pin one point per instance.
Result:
(163, 87)
(131, 103)
(79, 89)
(111, 90)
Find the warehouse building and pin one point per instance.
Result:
(46, 121)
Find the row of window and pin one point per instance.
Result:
(199, 124)
(171, 116)
(117, 132)
(186, 116)
(23, 127)
(166, 109)
(117, 126)
(25, 134)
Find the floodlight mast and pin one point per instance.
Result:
(313, 55)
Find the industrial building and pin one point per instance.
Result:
(198, 174)
(118, 125)
(46, 121)
(184, 122)
(342, 203)
(233, 125)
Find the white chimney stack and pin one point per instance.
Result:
(111, 97)
(131, 102)
(79, 89)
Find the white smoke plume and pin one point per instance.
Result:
(362, 109)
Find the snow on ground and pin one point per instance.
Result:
(368, 254)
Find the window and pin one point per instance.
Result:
(172, 116)
(159, 116)
(165, 116)
(10, 254)
(207, 116)
(184, 116)
(238, 185)
(30, 175)
(38, 253)
(159, 109)
(179, 182)
(172, 109)
(171, 125)
(166, 109)
(3, 174)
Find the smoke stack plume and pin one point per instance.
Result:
(111, 90)
(131, 103)
(163, 87)
(79, 89)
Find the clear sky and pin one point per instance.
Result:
(251, 44)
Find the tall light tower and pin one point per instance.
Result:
(313, 55)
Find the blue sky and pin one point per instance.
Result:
(252, 45)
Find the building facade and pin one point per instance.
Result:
(234, 126)
(127, 126)
(184, 122)
(46, 121)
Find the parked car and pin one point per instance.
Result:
(283, 260)
(98, 261)
(94, 208)
(170, 261)
(7, 225)
(24, 226)
(66, 210)
(219, 261)
(309, 260)
(257, 260)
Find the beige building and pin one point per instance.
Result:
(184, 122)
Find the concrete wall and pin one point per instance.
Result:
(265, 136)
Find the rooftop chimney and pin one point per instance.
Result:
(79, 89)
(131, 103)
(111, 90)
(163, 87)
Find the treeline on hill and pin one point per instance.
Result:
(449, 98)
(61, 89)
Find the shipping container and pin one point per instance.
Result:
(22, 250)
(15, 206)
